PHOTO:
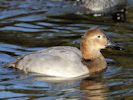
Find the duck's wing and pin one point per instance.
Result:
(67, 52)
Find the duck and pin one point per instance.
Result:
(116, 8)
(67, 61)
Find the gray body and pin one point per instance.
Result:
(103, 6)
(61, 61)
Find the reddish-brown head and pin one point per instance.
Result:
(92, 42)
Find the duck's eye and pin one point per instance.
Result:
(99, 36)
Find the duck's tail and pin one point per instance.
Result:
(14, 63)
(11, 64)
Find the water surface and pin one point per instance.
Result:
(30, 25)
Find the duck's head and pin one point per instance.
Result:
(92, 42)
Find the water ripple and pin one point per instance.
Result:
(30, 25)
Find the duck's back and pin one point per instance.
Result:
(61, 61)
(104, 6)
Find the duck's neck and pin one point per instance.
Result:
(96, 65)
(88, 51)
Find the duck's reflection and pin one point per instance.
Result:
(94, 90)
(83, 89)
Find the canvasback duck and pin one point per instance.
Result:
(67, 61)
(116, 8)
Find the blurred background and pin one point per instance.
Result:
(31, 25)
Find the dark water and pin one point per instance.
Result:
(30, 25)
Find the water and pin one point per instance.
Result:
(30, 25)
